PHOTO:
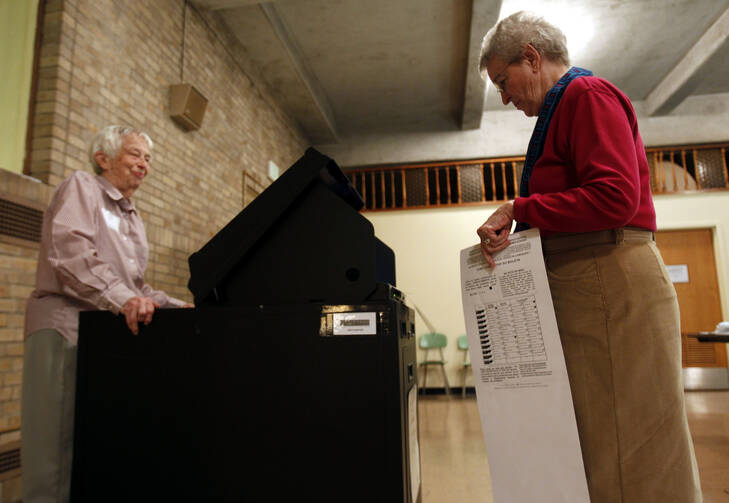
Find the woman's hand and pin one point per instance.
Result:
(138, 309)
(494, 233)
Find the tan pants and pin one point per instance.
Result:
(49, 384)
(619, 323)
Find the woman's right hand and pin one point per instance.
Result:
(138, 310)
(494, 233)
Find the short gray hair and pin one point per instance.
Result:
(109, 141)
(508, 38)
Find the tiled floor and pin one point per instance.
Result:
(455, 468)
(708, 415)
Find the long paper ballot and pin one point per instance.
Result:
(519, 372)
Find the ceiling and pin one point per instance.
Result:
(344, 68)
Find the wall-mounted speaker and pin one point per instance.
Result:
(187, 106)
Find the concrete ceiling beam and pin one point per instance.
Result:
(223, 4)
(683, 78)
(302, 68)
(484, 14)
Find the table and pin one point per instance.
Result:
(710, 337)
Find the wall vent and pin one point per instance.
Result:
(20, 221)
(9, 460)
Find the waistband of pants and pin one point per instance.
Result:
(571, 241)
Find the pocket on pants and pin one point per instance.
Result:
(571, 265)
(577, 295)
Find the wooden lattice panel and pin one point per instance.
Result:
(415, 182)
(471, 184)
(492, 181)
(710, 169)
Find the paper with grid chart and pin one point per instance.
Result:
(520, 376)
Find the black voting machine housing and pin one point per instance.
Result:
(301, 240)
(252, 395)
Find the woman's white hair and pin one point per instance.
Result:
(508, 38)
(109, 141)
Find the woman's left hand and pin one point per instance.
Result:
(494, 233)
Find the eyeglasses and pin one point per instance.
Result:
(500, 80)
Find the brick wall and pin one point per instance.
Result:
(17, 278)
(110, 62)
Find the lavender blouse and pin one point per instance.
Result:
(93, 255)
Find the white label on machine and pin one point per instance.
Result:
(355, 324)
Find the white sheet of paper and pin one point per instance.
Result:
(678, 273)
(521, 381)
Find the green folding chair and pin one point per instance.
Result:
(466, 363)
(428, 342)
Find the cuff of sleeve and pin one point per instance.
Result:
(520, 208)
(172, 302)
(115, 298)
(164, 300)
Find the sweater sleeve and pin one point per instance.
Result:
(601, 149)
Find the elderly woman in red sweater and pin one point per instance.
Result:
(586, 186)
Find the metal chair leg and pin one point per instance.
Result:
(442, 368)
(463, 388)
(425, 378)
(445, 380)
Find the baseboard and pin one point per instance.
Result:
(705, 378)
(455, 390)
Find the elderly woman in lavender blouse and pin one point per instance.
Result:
(93, 255)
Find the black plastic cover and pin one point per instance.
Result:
(301, 240)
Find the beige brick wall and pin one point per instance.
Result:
(109, 62)
(17, 278)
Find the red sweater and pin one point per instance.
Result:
(593, 173)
